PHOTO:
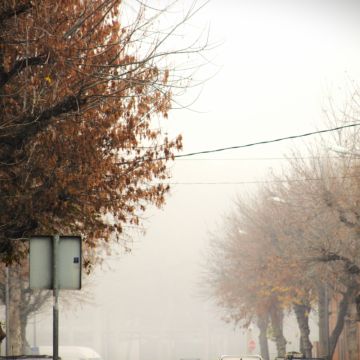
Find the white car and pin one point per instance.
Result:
(69, 352)
(241, 357)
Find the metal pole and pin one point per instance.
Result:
(7, 311)
(35, 331)
(326, 322)
(56, 240)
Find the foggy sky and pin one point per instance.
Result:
(276, 64)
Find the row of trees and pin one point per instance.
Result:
(294, 244)
(85, 88)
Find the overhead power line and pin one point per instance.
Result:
(255, 181)
(266, 141)
(264, 158)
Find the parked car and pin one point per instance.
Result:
(69, 352)
(294, 355)
(241, 357)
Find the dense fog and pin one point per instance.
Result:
(275, 64)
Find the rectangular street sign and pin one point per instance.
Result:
(69, 262)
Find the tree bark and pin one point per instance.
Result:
(24, 285)
(25, 347)
(323, 310)
(277, 317)
(14, 313)
(302, 315)
(263, 322)
(340, 321)
(351, 334)
(23, 303)
(19, 304)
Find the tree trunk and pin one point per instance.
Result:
(24, 314)
(351, 338)
(25, 347)
(14, 313)
(302, 316)
(342, 311)
(22, 305)
(263, 323)
(277, 317)
(323, 310)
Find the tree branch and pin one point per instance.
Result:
(19, 65)
(9, 13)
(18, 231)
(350, 266)
(31, 125)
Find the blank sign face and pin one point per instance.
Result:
(41, 263)
(69, 262)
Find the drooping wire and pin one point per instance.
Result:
(266, 141)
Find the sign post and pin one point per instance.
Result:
(7, 310)
(55, 258)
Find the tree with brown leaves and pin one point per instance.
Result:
(241, 272)
(85, 89)
(80, 89)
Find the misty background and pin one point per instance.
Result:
(276, 65)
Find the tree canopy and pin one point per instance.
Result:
(82, 98)
(295, 237)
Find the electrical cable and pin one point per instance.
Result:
(285, 158)
(265, 141)
(255, 181)
(211, 151)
